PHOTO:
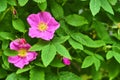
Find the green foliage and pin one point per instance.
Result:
(18, 24)
(39, 1)
(3, 73)
(48, 54)
(7, 36)
(106, 6)
(95, 6)
(76, 20)
(19, 71)
(88, 61)
(42, 6)
(22, 3)
(38, 72)
(68, 76)
(3, 5)
(62, 51)
(89, 36)
(56, 9)
(87, 41)
(9, 52)
(113, 2)
(75, 44)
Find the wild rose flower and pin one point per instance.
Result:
(43, 25)
(66, 61)
(24, 56)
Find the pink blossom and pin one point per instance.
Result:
(43, 25)
(24, 56)
(66, 61)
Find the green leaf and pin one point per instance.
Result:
(96, 63)
(3, 5)
(99, 57)
(22, 3)
(38, 63)
(76, 20)
(12, 2)
(11, 76)
(48, 54)
(5, 61)
(113, 69)
(5, 44)
(51, 76)
(56, 9)
(7, 36)
(27, 68)
(42, 6)
(60, 39)
(101, 31)
(18, 24)
(88, 61)
(95, 6)
(75, 44)
(3, 73)
(9, 52)
(87, 41)
(39, 1)
(57, 63)
(106, 6)
(62, 51)
(113, 2)
(88, 52)
(38, 46)
(68, 76)
(14, 76)
(37, 74)
(117, 57)
(110, 54)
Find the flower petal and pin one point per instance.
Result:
(46, 35)
(33, 20)
(45, 16)
(33, 32)
(25, 46)
(31, 56)
(21, 63)
(66, 61)
(53, 25)
(14, 45)
(13, 59)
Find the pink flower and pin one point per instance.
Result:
(24, 56)
(66, 61)
(43, 25)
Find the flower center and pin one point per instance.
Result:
(42, 26)
(22, 52)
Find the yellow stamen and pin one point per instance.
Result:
(22, 52)
(42, 26)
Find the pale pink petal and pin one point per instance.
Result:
(31, 56)
(13, 59)
(45, 16)
(53, 25)
(33, 20)
(21, 63)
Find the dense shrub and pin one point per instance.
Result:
(59, 39)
